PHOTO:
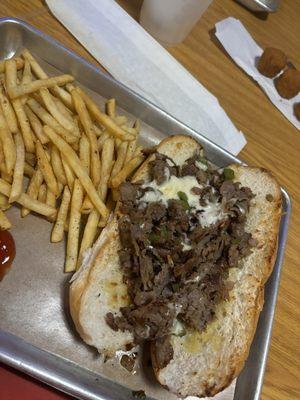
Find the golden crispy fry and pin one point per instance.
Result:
(10, 73)
(84, 153)
(8, 112)
(19, 62)
(54, 111)
(110, 108)
(41, 74)
(1, 154)
(27, 76)
(28, 170)
(27, 201)
(126, 171)
(51, 201)
(97, 130)
(74, 227)
(7, 177)
(4, 221)
(130, 151)
(74, 162)
(36, 125)
(107, 160)
(24, 125)
(121, 120)
(57, 234)
(101, 140)
(4, 204)
(57, 166)
(87, 205)
(42, 195)
(8, 145)
(63, 109)
(30, 158)
(121, 154)
(11, 81)
(46, 168)
(33, 189)
(17, 91)
(87, 124)
(17, 184)
(102, 118)
(118, 142)
(49, 120)
(89, 234)
(68, 173)
(110, 204)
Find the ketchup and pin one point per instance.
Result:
(7, 252)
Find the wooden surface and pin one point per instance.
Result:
(272, 141)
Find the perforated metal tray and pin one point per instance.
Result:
(36, 332)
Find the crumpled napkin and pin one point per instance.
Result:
(134, 58)
(241, 47)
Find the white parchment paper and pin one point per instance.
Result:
(241, 47)
(134, 58)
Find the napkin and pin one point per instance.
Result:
(241, 47)
(134, 58)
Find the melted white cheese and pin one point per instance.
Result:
(210, 214)
(185, 246)
(169, 189)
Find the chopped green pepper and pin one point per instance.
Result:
(153, 237)
(228, 174)
(203, 160)
(175, 287)
(184, 200)
(164, 232)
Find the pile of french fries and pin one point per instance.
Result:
(74, 154)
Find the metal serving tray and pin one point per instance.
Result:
(36, 332)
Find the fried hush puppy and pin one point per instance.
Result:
(288, 83)
(271, 62)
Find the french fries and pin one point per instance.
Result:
(42, 195)
(11, 81)
(27, 201)
(126, 171)
(17, 183)
(8, 112)
(73, 154)
(56, 113)
(46, 168)
(74, 226)
(58, 167)
(36, 125)
(49, 120)
(33, 189)
(17, 91)
(8, 145)
(4, 221)
(74, 162)
(19, 62)
(57, 234)
(102, 118)
(87, 124)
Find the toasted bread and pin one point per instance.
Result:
(203, 363)
(210, 360)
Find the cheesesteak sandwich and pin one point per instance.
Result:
(182, 264)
